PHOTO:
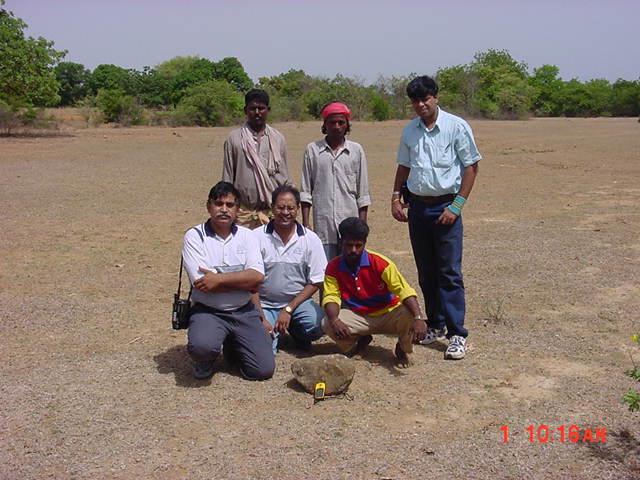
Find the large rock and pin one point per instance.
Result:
(336, 371)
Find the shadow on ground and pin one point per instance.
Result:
(621, 447)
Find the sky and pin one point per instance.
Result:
(586, 39)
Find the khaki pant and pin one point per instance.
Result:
(396, 322)
(253, 218)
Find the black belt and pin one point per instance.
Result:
(449, 197)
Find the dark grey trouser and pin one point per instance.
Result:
(240, 330)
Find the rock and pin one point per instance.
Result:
(336, 371)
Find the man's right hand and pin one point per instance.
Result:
(340, 329)
(267, 326)
(398, 210)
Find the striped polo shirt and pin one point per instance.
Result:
(288, 267)
(375, 288)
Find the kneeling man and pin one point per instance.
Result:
(224, 265)
(294, 263)
(375, 297)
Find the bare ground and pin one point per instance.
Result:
(96, 385)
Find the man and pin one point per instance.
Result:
(294, 264)
(375, 297)
(255, 160)
(334, 178)
(438, 161)
(224, 264)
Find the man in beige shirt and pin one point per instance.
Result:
(255, 161)
(334, 179)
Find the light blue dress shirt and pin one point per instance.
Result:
(437, 157)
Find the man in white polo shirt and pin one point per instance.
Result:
(224, 265)
(294, 263)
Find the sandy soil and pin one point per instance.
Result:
(95, 384)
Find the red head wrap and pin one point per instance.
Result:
(335, 107)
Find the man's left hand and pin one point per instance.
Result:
(419, 330)
(282, 324)
(209, 282)
(447, 217)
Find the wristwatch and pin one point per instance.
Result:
(288, 309)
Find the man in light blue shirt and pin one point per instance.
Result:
(437, 167)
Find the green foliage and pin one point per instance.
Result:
(547, 91)
(212, 103)
(231, 70)
(111, 77)
(380, 108)
(632, 397)
(117, 106)
(26, 65)
(72, 79)
(625, 98)
(503, 90)
(457, 88)
(153, 90)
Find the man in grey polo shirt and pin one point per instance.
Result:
(224, 264)
(294, 263)
(438, 162)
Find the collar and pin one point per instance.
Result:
(210, 233)
(344, 147)
(270, 228)
(437, 124)
(254, 133)
(364, 262)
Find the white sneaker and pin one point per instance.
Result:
(457, 348)
(433, 335)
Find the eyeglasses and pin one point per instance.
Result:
(285, 208)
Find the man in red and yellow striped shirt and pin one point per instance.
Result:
(365, 294)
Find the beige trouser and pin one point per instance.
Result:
(396, 322)
(253, 218)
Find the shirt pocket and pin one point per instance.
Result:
(444, 156)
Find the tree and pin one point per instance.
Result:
(503, 90)
(548, 87)
(457, 88)
(72, 79)
(212, 103)
(231, 70)
(625, 98)
(111, 77)
(117, 106)
(26, 65)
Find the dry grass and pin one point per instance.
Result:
(96, 385)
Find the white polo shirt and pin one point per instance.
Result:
(204, 248)
(288, 267)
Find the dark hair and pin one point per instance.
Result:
(256, 95)
(353, 228)
(324, 129)
(421, 87)
(222, 189)
(286, 188)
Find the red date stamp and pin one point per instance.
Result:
(559, 434)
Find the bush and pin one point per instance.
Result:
(380, 109)
(118, 107)
(210, 104)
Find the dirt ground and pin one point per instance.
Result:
(95, 384)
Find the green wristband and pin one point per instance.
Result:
(456, 205)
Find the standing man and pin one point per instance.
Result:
(224, 264)
(438, 162)
(294, 264)
(255, 160)
(365, 294)
(334, 178)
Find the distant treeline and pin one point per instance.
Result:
(197, 91)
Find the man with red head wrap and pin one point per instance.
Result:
(334, 178)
